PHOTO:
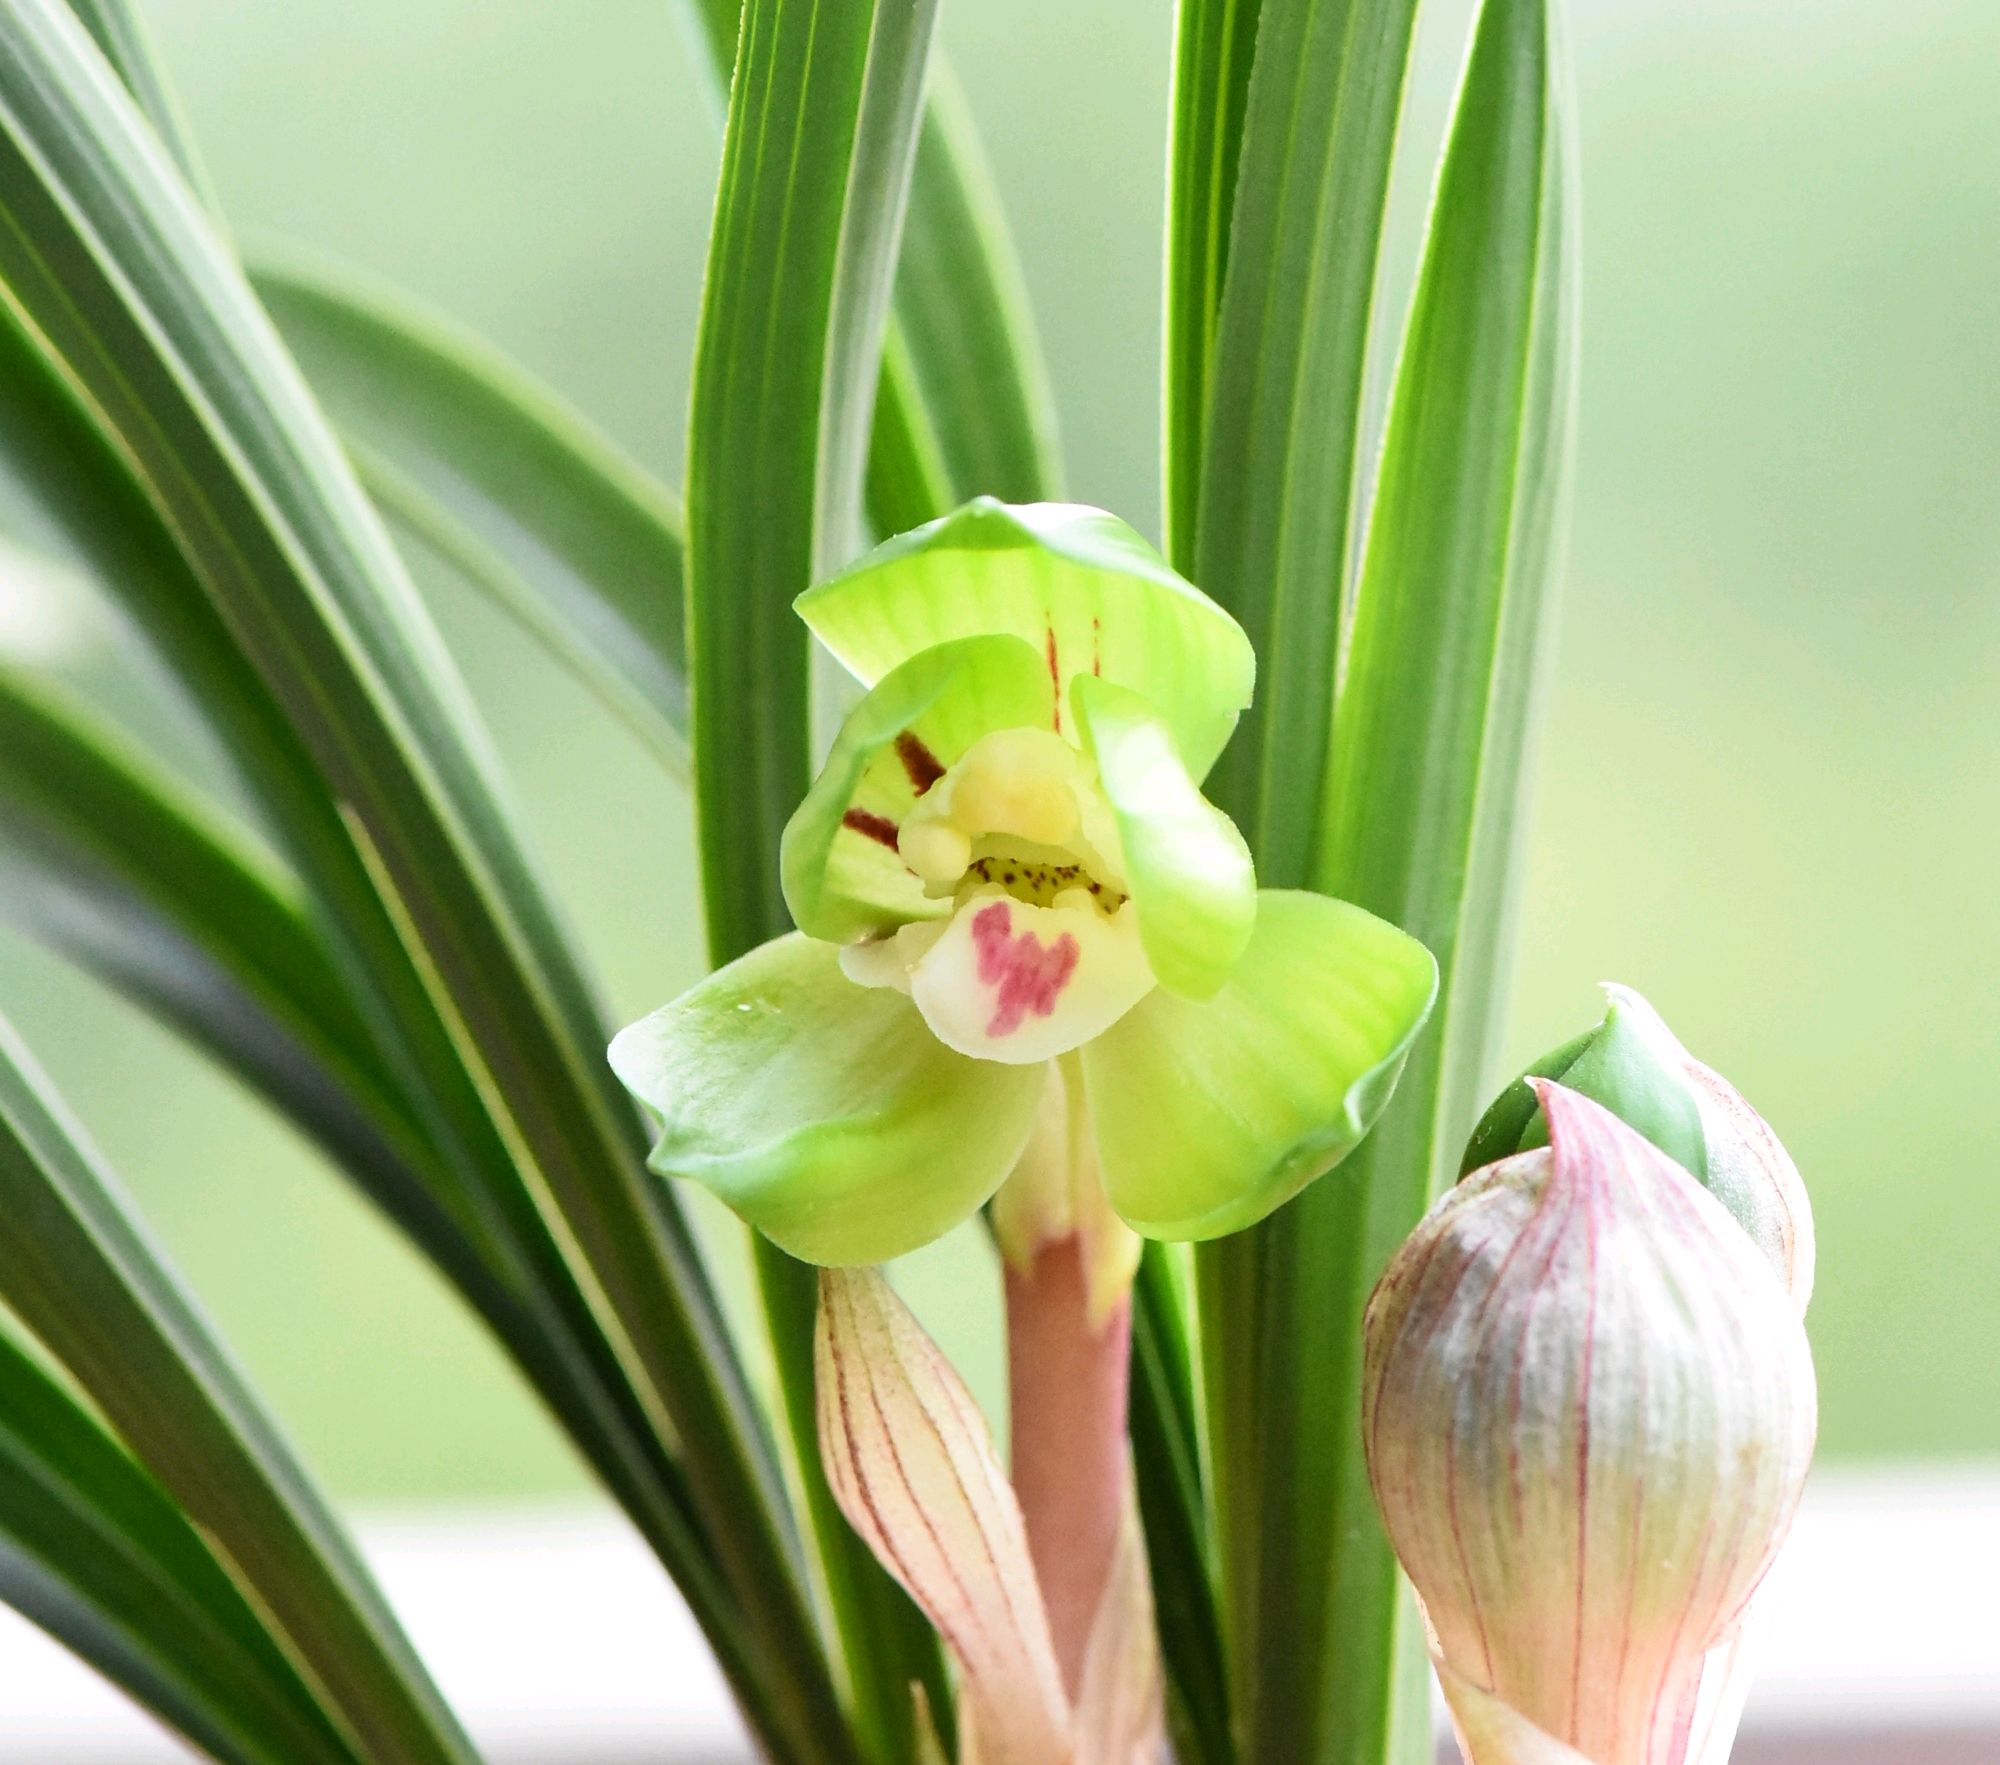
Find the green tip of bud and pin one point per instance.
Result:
(1627, 1064)
(1633, 1065)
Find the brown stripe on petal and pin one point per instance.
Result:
(918, 761)
(869, 825)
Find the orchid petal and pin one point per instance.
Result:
(823, 1113)
(1087, 592)
(1189, 872)
(913, 1468)
(1211, 1114)
(843, 874)
(1009, 981)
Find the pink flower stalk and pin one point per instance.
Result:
(1589, 1412)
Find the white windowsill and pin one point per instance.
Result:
(558, 1639)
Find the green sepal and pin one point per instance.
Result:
(1086, 591)
(1193, 885)
(824, 1113)
(843, 878)
(1619, 1064)
(1212, 1113)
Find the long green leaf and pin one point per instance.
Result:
(964, 407)
(105, 255)
(815, 171)
(1423, 814)
(97, 1553)
(579, 544)
(79, 1274)
(121, 34)
(110, 862)
(1274, 531)
(63, 489)
(1215, 43)
(1265, 389)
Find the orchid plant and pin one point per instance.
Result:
(999, 951)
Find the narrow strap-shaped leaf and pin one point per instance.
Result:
(1266, 391)
(1165, 1449)
(94, 1551)
(1215, 43)
(962, 372)
(1424, 806)
(815, 170)
(1274, 534)
(111, 863)
(118, 30)
(116, 269)
(964, 407)
(577, 542)
(77, 1272)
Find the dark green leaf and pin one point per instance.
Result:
(78, 1273)
(93, 1550)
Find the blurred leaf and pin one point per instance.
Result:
(576, 542)
(1215, 43)
(965, 407)
(119, 32)
(94, 1551)
(121, 869)
(78, 1273)
(1423, 810)
(815, 171)
(106, 256)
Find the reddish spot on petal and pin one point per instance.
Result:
(1028, 974)
(869, 825)
(1055, 678)
(1097, 646)
(918, 761)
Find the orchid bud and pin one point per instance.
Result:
(1635, 1067)
(1589, 1409)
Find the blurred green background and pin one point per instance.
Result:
(1769, 787)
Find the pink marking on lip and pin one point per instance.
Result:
(1028, 974)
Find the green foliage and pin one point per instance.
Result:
(376, 955)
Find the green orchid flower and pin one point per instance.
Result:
(1007, 865)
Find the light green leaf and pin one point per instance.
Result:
(843, 877)
(1211, 1113)
(574, 540)
(825, 1113)
(94, 1551)
(1215, 44)
(816, 162)
(1189, 871)
(1423, 814)
(78, 1273)
(1281, 451)
(1086, 591)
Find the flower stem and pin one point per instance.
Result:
(1067, 1391)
